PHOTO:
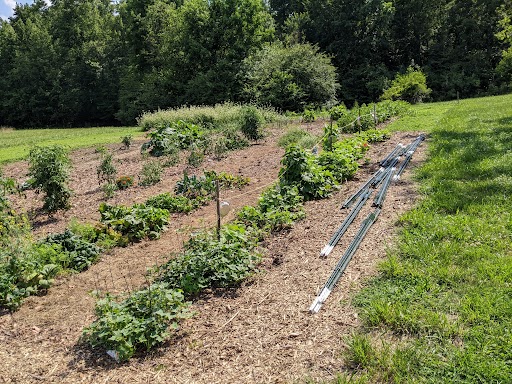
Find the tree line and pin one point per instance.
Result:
(90, 62)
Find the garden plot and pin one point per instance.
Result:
(252, 334)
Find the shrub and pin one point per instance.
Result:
(289, 78)
(410, 87)
(196, 156)
(374, 135)
(140, 321)
(151, 173)
(109, 190)
(251, 123)
(49, 169)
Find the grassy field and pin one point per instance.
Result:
(440, 311)
(15, 144)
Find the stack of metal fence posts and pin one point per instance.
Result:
(387, 173)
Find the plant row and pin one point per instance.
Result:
(28, 267)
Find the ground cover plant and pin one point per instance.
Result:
(16, 144)
(444, 290)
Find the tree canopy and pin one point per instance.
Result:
(94, 62)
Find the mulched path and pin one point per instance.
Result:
(261, 332)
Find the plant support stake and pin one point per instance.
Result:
(343, 262)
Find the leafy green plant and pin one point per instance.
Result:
(106, 171)
(410, 87)
(151, 173)
(141, 321)
(308, 116)
(135, 223)
(127, 141)
(299, 169)
(174, 204)
(168, 139)
(81, 253)
(196, 156)
(49, 168)
(330, 136)
(109, 189)
(211, 262)
(124, 182)
(374, 135)
(278, 208)
(252, 123)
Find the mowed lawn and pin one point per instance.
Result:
(16, 144)
(440, 311)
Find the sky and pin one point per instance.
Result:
(6, 7)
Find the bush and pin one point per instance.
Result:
(127, 141)
(49, 169)
(410, 87)
(140, 321)
(106, 171)
(289, 78)
(251, 123)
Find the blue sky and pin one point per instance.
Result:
(6, 7)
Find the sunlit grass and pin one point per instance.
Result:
(15, 144)
(443, 298)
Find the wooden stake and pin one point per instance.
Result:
(375, 113)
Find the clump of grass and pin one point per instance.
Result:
(299, 137)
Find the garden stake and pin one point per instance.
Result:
(343, 262)
(408, 158)
(346, 223)
(217, 197)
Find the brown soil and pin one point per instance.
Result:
(261, 332)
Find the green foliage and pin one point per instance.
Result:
(196, 156)
(210, 262)
(308, 116)
(106, 171)
(330, 136)
(151, 173)
(301, 170)
(49, 168)
(167, 140)
(80, 254)
(278, 208)
(109, 189)
(142, 320)
(127, 141)
(410, 87)
(374, 135)
(299, 137)
(252, 123)
(174, 204)
(124, 182)
(135, 223)
(289, 78)
(342, 164)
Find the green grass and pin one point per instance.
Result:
(440, 311)
(15, 144)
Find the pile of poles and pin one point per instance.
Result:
(391, 168)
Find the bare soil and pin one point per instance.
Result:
(261, 332)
